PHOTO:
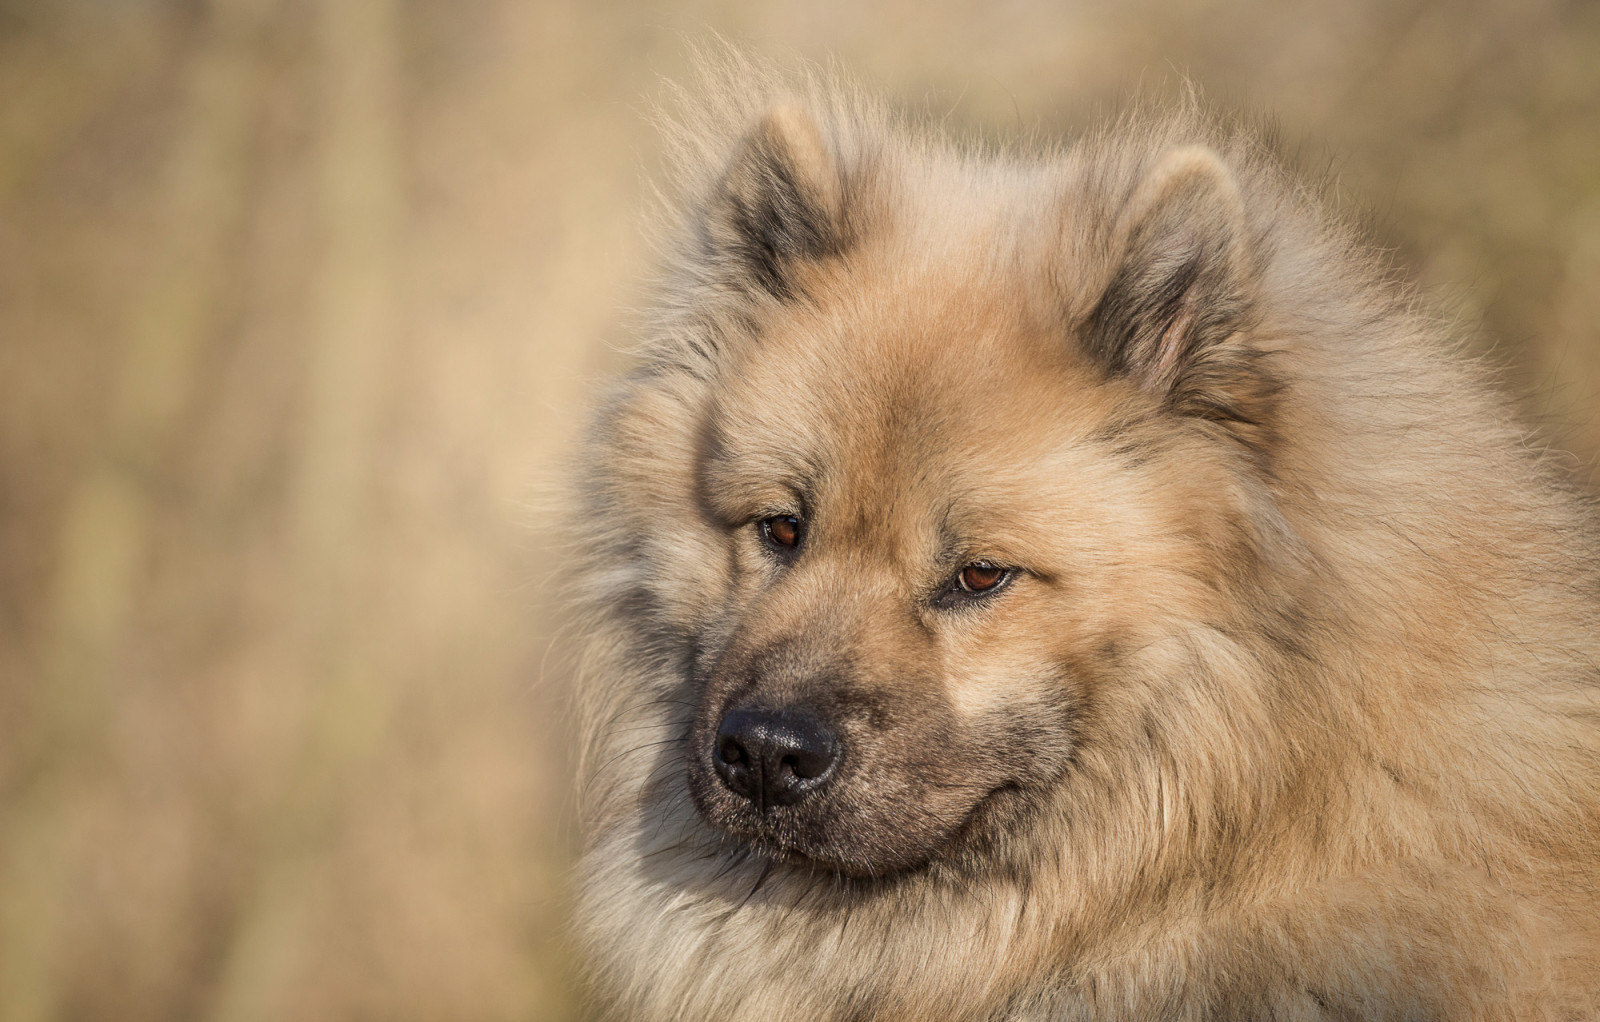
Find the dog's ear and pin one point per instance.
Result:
(1172, 316)
(778, 204)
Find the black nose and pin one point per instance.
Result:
(774, 757)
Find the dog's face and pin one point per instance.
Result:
(940, 518)
(883, 673)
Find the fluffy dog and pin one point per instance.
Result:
(1068, 583)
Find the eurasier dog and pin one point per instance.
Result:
(1068, 583)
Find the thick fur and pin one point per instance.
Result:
(1290, 708)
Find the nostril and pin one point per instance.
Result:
(805, 767)
(730, 751)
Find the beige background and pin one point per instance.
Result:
(299, 303)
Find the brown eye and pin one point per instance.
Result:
(782, 531)
(980, 577)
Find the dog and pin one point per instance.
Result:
(1067, 581)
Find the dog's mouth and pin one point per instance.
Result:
(864, 783)
(861, 820)
(986, 821)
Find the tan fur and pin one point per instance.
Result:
(1292, 708)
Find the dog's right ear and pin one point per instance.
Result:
(779, 203)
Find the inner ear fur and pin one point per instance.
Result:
(779, 203)
(1174, 316)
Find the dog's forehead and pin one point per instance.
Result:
(906, 381)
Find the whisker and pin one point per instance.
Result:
(642, 727)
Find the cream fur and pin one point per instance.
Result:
(1333, 659)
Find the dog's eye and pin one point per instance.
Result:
(781, 532)
(977, 581)
(981, 577)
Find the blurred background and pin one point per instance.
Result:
(299, 306)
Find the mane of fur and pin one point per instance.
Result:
(1418, 741)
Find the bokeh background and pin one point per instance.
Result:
(299, 305)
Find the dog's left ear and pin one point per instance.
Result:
(778, 203)
(1172, 315)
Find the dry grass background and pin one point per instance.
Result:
(298, 305)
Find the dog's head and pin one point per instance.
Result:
(963, 457)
